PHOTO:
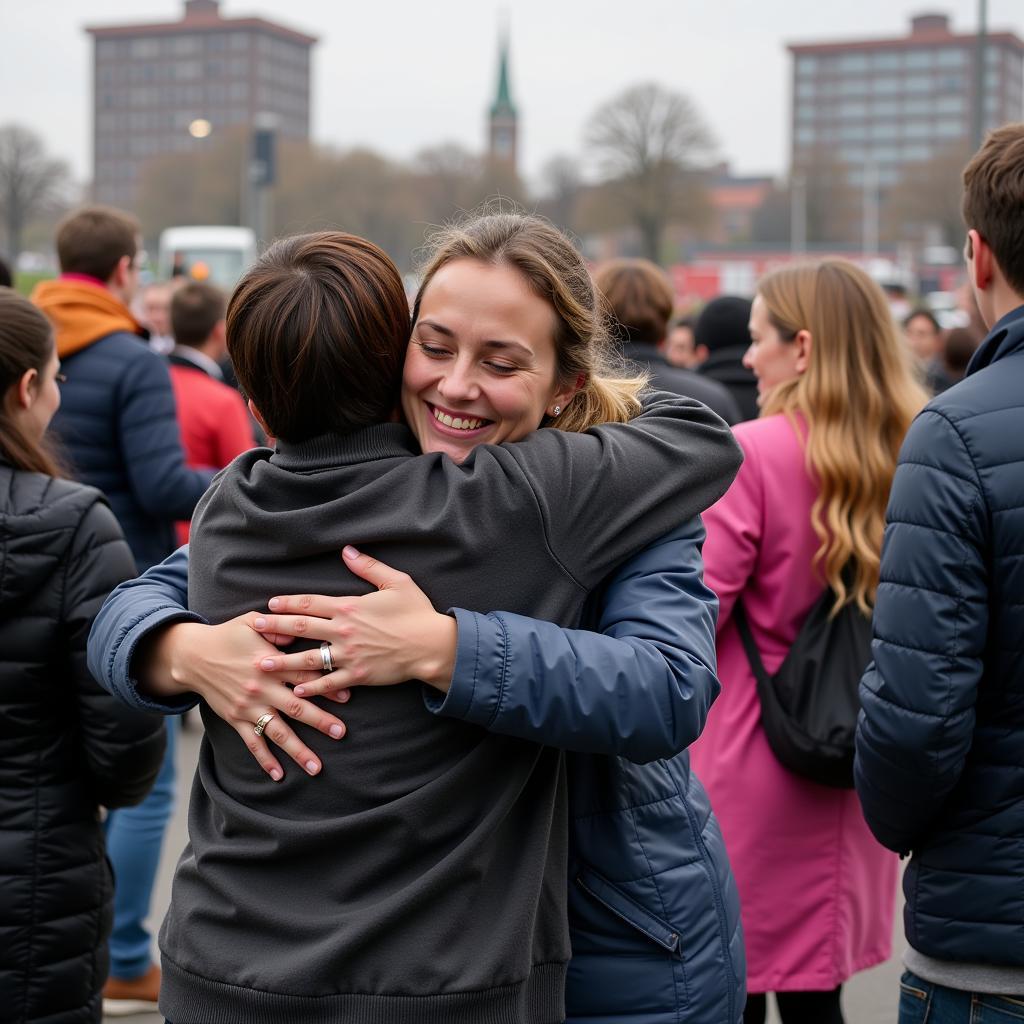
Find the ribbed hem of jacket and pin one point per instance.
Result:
(188, 998)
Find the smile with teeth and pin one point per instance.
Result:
(457, 422)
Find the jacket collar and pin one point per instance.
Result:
(1006, 336)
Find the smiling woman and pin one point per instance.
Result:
(482, 370)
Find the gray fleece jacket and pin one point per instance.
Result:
(421, 877)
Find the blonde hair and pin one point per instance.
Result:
(557, 273)
(858, 396)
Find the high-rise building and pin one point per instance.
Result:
(162, 88)
(503, 118)
(872, 108)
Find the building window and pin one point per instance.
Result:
(888, 60)
(885, 86)
(919, 60)
(885, 131)
(916, 107)
(886, 108)
(853, 108)
(950, 104)
(918, 83)
(853, 132)
(949, 129)
(852, 62)
(951, 57)
(145, 49)
(185, 46)
(805, 135)
(853, 86)
(916, 153)
(216, 42)
(950, 83)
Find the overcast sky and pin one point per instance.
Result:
(397, 76)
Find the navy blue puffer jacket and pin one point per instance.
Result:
(118, 424)
(653, 907)
(940, 743)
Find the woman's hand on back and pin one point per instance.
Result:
(220, 663)
(378, 639)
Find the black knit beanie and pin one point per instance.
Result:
(723, 323)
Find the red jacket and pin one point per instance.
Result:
(214, 421)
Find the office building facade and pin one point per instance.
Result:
(164, 88)
(874, 108)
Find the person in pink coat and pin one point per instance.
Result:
(837, 394)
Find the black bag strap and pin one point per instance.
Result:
(747, 638)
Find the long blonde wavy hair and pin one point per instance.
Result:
(858, 397)
(584, 347)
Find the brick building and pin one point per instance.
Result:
(162, 88)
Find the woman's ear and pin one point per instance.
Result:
(27, 389)
(564, 395)
(804, 342)
(259, 419)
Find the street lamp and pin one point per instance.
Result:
(200, 128)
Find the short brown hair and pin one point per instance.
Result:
(640, 297)
(994, 199)
(317, 331)
(93, 239)
(26, 343)
(196, 308)
(557, 273)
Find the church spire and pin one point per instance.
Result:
(503, 99)
(503, 116)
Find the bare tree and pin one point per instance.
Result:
(561, 184)
(30, 181)
(651, 144)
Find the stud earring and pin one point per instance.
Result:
(557, 411)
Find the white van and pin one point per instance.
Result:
(219, 255)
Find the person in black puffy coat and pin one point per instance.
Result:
(66, 746)
(940, 742)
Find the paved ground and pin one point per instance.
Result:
(870, 998)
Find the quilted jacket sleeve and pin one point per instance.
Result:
(641, 687)
(122, 748)
(150, 442)
(930, 624)
(158, 597)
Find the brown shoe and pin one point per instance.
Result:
(139, 995)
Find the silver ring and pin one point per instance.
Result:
(262, 722)
(325, 657)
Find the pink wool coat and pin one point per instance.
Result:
(817, 892)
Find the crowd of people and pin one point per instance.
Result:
(481, 612)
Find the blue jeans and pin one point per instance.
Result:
(134, 838)
(922, 1002)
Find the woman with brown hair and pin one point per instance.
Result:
(837, 395)
(640, 297)
(66, 746)
(391, 872)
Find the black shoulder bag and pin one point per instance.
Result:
(809, 707)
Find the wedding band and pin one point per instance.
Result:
(262, 722)
(325, 657)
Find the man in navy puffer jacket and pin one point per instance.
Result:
(118, 425)
(940, 743)
(117, 420)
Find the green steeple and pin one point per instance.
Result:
(503, 105)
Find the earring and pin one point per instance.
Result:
(557, 411)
